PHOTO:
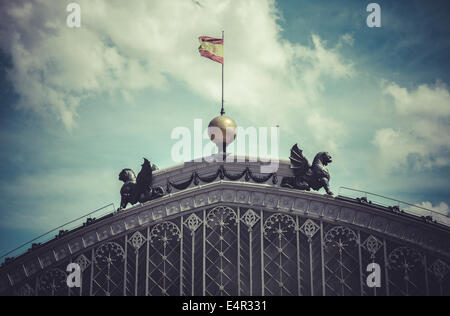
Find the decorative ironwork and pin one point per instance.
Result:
(180, 186)
(7, 261)
(340, 237)
(25, 290)
(246, 251)
(52, 282)
(227, 250)
(165, 277)
(221, 173)
(108, 274)
(250, 218)
(372, 245)
(221, 254)
(407, 262)
(404, 258)
(341, 268)
(221, 216)
(83, 262)
(61, 233)
(89, 221)
(309, 229)
(279, 224)
(190, 254)
(137, 240)
(280, 263)
(439, 269)
(395, 209)
(165, 233)
(364, 200)
(109, 253)
(34, 246)
(193, 222)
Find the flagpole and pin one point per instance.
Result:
(222, 111)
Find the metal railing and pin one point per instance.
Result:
(405, 207)
(61, 230)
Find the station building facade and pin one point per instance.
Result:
(226, 229)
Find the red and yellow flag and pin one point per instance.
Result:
(211, 48)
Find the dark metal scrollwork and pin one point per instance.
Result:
(440, 269)
(221, 173)
(340, 237)
(405, 258)
(109, 253)
(221, 216)
(52, 281)
(372, 245)
(165, 233)
(250, 218)
(137, 240)
(279, 225)
(309, 229)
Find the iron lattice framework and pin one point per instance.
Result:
(231, 250)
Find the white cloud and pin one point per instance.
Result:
(441, 208)
(327, 131)
(347, 39)
(433, 101)
(439, 212)
(421, 136)
(123, 47)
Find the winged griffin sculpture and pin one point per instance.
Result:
(138, 189)
(306, 176)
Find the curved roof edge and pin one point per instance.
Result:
(377, 219)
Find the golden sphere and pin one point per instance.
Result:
(226, 126)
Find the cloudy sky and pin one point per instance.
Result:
(79, 104)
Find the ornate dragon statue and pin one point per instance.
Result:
(138, 189)
(306, 177)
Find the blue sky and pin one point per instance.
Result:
(78, 105)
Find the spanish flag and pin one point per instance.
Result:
(211, 48)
